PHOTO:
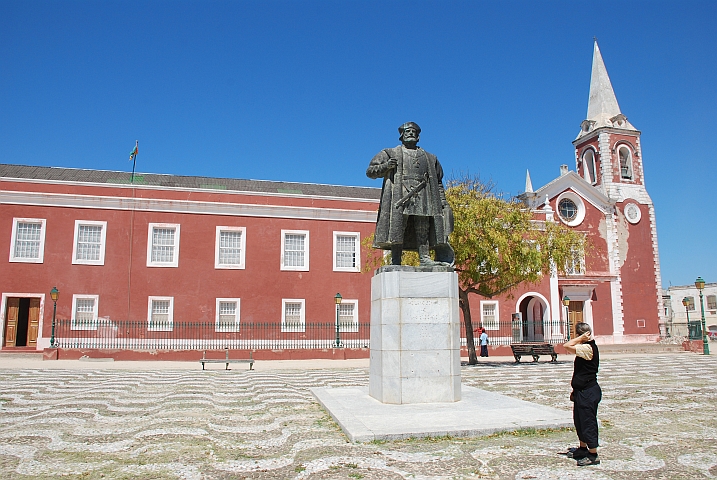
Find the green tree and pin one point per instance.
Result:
(499, 245)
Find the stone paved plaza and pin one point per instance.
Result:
(658, 416)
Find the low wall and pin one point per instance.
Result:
(196, 355)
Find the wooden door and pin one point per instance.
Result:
(575, 316)
(11, 314)
(33, 321)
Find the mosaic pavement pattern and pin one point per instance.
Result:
(658, 416)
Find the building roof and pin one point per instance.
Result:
(60, 174)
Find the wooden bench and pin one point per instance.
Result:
(533, 349)
(226, 360)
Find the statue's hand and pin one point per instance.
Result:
(392, 164)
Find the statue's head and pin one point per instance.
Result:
(410, 131)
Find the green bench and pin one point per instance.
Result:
(226, 360)
(533, 349)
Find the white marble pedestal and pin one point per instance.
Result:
(415, 336)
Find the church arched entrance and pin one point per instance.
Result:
(534, 314)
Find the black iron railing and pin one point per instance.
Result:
(508, 331)
(167, 335)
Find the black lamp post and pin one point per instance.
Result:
(338, 299)
(566, 302)
(700, 284)
(54, 294)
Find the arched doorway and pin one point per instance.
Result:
(534, 313)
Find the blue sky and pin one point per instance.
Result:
(309, 91)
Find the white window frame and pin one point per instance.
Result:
(301, 268)
(41, 251)
(103, 242)
(170, 322)
(496, 322)
(302, 321)
(575, 265)
(175, 258)
(95, 312)
(631, 175)
(357, 252)
(589, 158)
(217, 326)
(578, 201)
(242, 246)
(354, 326)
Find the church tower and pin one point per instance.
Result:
(608, 156)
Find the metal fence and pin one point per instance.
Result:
(506, 332)
(143, 335)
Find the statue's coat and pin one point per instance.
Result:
(389, 224)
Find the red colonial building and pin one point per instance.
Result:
(159, 263)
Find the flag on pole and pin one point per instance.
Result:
(133, 158)
(134, 151)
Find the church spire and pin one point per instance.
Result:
(602, 100)
(603, 109)
(528, 183)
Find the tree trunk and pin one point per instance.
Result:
(466, 309)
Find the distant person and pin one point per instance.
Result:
(586, 394)
(482, 341)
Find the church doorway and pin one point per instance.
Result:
(22, 321)
(533, 313)
(575, 316)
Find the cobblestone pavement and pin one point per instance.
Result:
(658, 421)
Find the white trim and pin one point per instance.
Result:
(185, 206)
(354, 326)
(41, 343)
(103, 242)
(635, 209)
(586, 171)
(204, 190)
(305, 266)
(170, 322)
(357, 252)
(242, 248)
(630, 171)
(577, 199)
(41, 251)
(175, 251)
(217, 326)
(496, 325)
(302, 320)
(95, 310)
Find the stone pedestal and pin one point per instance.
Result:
(415, 335)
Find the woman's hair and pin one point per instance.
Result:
(581, 328)
(482, 330)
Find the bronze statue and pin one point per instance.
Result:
(414, 213)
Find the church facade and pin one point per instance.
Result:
(163, 262)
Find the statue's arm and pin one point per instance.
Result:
(381, 165)
(439, 175)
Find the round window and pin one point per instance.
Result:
(567, 209)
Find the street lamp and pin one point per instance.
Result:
(566, 302)
(686, 303)
(54, 294)
(337, 299)
(700, 284)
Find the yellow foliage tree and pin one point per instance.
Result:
(498, 245)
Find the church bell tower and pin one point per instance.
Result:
(608, 156)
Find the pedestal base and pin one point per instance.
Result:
(415, 336)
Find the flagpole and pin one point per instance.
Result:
(134, 160)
